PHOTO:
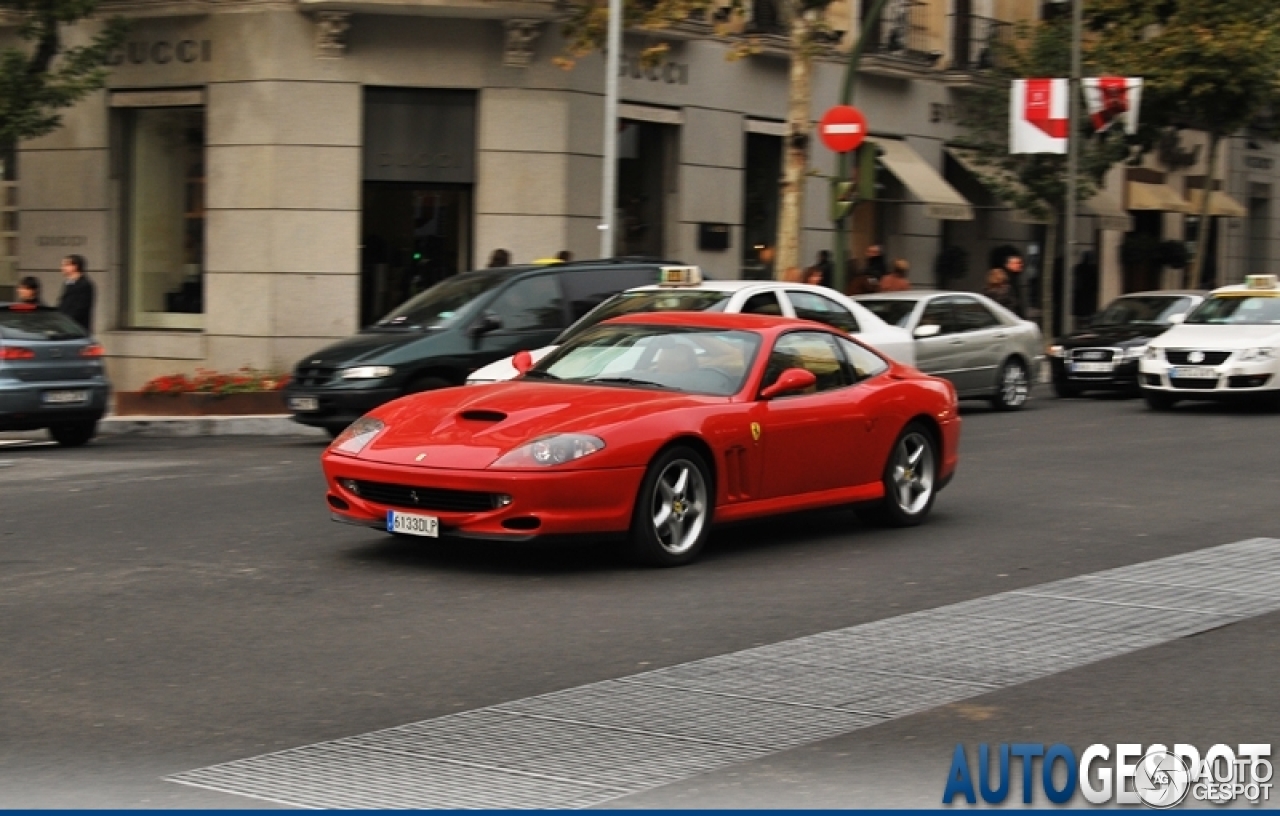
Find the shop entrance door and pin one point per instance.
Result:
(413, 236)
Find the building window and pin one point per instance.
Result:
(762, 185)
(164, 196)
(8, 224)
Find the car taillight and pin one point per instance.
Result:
(94, 350)
(16, 353)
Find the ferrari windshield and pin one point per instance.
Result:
(894, 311)
(680, 300)
(1238, 310)
(1145, 309)
(676, 358)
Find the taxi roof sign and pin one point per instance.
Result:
(1261, 282)
(679, 276)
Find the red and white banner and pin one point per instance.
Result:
(1113, 99)
(1038, 116)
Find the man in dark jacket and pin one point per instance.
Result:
(76, 301)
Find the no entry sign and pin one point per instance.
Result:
(842, 128)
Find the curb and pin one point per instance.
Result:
(257, 425)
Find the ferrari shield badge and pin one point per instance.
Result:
(755, 431)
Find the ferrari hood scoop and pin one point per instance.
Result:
(481, 415)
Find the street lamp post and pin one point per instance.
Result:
(1073, 168)
(609, 176)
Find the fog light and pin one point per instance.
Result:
(501, 500)
(349, 485)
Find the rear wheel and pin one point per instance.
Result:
(1066, 390)
(1013, 386)
(910, 480)
(73, 434)
(672, 516)
(1159, 401)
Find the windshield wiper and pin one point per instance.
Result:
(539, 375)
(627, 381)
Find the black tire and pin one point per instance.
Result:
(73, 434)
(1013, 386)
(1066, 390)
(679, 482)
(910, 480)
(421, 384)
(1159, 401)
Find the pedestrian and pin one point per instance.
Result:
(29, 291)
(824, 266)
(813, 276)
(896, 280)
(499, 258)
(564, 256)
(1013, 267)
(998, 288)
(76, 301)
(873, 268)
(793, 275)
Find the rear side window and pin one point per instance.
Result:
(812, 306)
(894, 312)
(586, 289)
(970, 315)
(530, 304)
(42, 324)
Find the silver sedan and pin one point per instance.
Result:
(985, 350)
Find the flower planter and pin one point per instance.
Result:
(140, 403)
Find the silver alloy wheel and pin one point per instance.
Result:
(912, 473)
(679, 506)
(1014, 387)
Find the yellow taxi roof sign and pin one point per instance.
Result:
(679, 276)
(1255, 282)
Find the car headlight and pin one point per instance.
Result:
(1258, 355)
(555, 449)
(1055, 351)
(357, 436)
(367, 372)
(1152, 353)
(1135, 353)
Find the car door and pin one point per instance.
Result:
(983, 339)
(527, 314)
(808, 441)
(940, 354)
(813, 306)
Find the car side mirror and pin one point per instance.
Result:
(932, 330)
(789, 382)
(1178, 318)
(522, 361)
(488, 322)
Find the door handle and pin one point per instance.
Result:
(956, 342)
(1001, 335)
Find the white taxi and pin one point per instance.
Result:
(1227, 348)
(683, 289)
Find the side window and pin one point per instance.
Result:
(970, 315)
(530, 304)
(864, 362)
(937, 312)
(765, 303)
(812, 351)
(586, 289)
(812, 306)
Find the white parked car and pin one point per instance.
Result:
(733, 296)
(1227, 348)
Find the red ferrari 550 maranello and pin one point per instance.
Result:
(655, 426)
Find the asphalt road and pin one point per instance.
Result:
(168, 604)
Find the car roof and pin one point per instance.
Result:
(715, 320)
(1165, 292)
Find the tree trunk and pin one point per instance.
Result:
(1050, 257)
(795, 165)
(1196, 267)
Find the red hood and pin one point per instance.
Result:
(471, 426)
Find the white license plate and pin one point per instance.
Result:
(65, 397)
(413, 524)
(1193, 373)
(304, 404)
(1091, 368)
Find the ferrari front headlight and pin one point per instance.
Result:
(555, 449)
(357, 436)
(1259, 355)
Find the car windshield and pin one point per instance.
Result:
(1147, 309)
(648, 301)
(676, 358)
(41, 324)
(441, 304)
(895, 312)
(1238, 310)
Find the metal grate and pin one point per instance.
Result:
(443, 499)
(1208, 358)
(590, 745)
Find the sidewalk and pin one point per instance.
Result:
(166, 426)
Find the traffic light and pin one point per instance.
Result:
(843, 197)
(867, 156)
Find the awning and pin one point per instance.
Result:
(1106, 207)
(941, 199)
(972, 162)
(1160, 197)
(1219, 204)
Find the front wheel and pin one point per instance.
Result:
(1013, 386)
(910, 480)
(1159, 401)
(73, 434)
(672, 516)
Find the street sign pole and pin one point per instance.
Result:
(609, 178)
(1073, 168)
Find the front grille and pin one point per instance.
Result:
(1093, 355)
(313, 375)
(1193, 385)
(1211, 358)
(427, 498)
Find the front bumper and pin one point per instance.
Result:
(1230, 379)
(336, 408)
(1123, 375)
(22, 405)
(551, 504)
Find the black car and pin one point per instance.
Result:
(51, 374)
(437, 338)
(1104, 356)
